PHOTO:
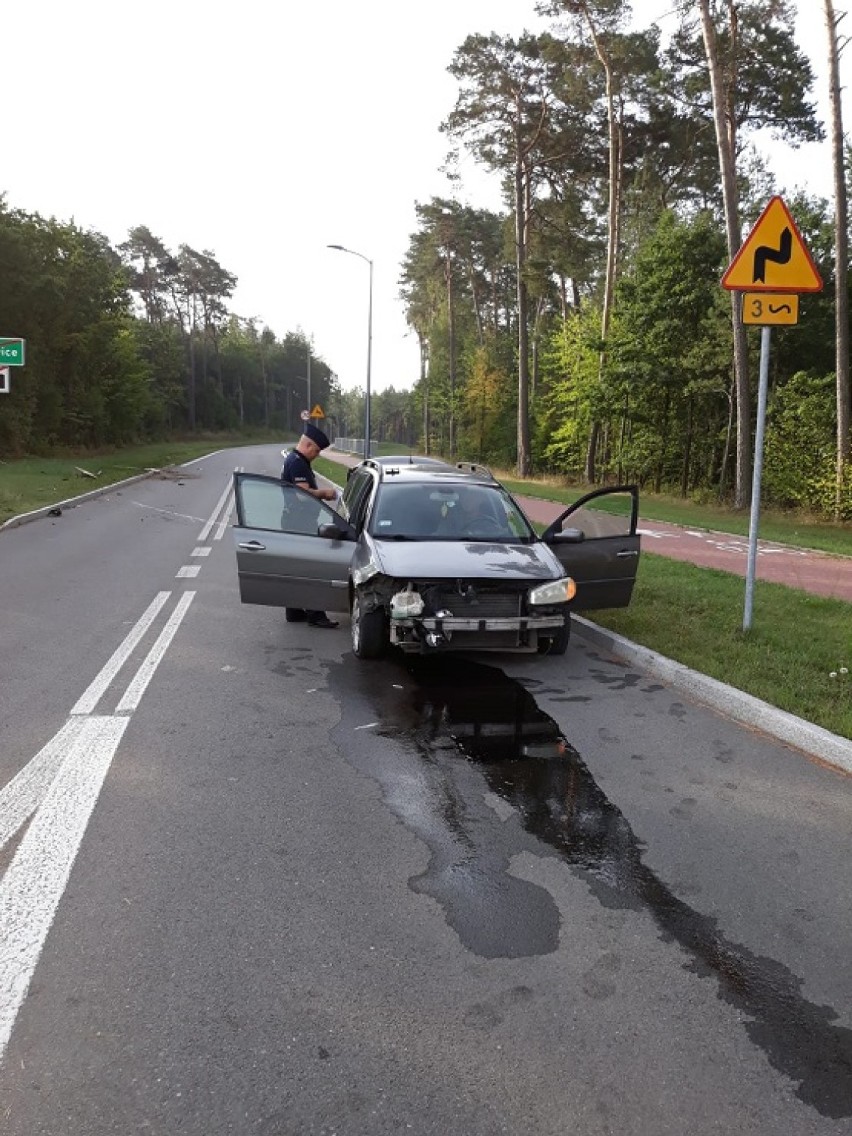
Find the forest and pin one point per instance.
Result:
(580, 333)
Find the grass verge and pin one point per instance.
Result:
(32, 482)
(796, 641)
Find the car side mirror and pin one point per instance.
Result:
(331, 532)
(568, 536)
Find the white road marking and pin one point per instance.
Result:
(211, 520)
(222, 525)
(59, 788)
(188, 571)
(35, 880)
(367, 726)
(89, 699)
(166, 512)
(143, 676)
(21, 797)
(226, 516)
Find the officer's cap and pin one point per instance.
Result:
(316, 435)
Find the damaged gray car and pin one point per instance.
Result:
(435, 557)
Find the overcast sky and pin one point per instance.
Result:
(265, 130)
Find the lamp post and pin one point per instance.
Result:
(310, 346)
(352, 252)
(302, 379)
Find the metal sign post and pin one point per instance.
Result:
(770, 270)
(765, 336)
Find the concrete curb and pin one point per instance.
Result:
(813, 740)
(70, 502)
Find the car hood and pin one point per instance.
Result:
(476, 560)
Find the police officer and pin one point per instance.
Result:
(297, 471)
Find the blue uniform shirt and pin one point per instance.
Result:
(296, 470)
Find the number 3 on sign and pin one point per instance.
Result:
(767, 308)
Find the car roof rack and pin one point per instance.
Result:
(475, 467)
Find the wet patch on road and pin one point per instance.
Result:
(469, 734)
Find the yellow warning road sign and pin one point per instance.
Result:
(317, 412)
(774, 258)
(770, 308)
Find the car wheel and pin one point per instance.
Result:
(369, 630)
(294, 615)
(556, 644)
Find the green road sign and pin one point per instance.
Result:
(11, 352)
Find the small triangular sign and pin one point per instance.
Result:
(774, 257)
(317, 412)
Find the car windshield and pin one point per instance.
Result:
(425, 511)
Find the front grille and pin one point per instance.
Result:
(475, 601)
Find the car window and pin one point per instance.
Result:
(404, 512)
(607, 515)
(355, 493)
(447, 512)
(481, 512)
(283, 508)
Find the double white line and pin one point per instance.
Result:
(60, 785)
(58, 789)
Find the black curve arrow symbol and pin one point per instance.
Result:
(765, 253)
(774, 309)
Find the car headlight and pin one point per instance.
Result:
(365, 572)
(555, 592)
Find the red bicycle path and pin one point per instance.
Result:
(806, 569)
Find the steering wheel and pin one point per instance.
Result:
(487, 526)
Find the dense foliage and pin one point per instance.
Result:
(592, 307)
(134, 343)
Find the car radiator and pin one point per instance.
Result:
(472, 602)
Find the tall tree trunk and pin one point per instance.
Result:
(724, 116)
(841, 263)
(687, 450)
(612, 222)
(477, 308)
(539, 312)
(424, 383)
(521, 220)
(451, 327)
(726, 453)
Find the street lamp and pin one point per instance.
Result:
(352, 252)
(299, 379)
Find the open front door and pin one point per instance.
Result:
(597, 543)
(281, 558)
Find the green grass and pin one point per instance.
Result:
(32, 482)
(694, 615)
(689, 614)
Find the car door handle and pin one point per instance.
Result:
(627, 552)
(252, 546)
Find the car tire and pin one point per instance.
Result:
(369, 630)
(556, 644)
(294, 615)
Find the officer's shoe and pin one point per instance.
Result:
(322, 621)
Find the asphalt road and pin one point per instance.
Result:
(251, 885)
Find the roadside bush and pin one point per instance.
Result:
(801, 438)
